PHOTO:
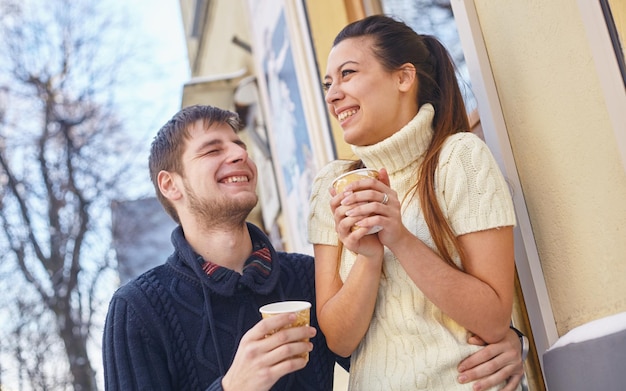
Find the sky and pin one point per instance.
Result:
(159, 22)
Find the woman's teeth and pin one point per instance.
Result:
(345, 114)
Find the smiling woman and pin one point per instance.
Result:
(438, 261)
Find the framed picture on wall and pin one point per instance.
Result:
(292, 100)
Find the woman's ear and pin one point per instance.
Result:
(407, 77)
(168, 186)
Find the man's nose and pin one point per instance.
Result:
(238, 154)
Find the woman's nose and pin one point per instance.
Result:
(332, 94)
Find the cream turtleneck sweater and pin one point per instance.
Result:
(411, 344)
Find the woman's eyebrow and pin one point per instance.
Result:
(341, 66)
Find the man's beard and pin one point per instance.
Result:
(222, 212)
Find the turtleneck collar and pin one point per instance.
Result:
(260, 277)
(403, 147)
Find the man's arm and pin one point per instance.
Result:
(495, 364)
(128, 362)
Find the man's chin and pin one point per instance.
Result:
(236, 210)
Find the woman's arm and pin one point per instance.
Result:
(479, 298)
(344, 310)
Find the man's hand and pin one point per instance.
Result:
(262, 357)
(496, 363)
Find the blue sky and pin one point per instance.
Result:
(158, 97)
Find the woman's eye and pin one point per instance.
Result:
(346, 72)
(326, 86)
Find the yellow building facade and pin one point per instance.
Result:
(550, 87)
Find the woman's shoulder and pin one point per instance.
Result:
(328, 173)
(467, 139)
(463, 145)
(334, 168)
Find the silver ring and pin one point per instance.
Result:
(385, 199)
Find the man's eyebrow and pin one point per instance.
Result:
(209, 143)
(217, 142)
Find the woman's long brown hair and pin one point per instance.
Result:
(395, 44)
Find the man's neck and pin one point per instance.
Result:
(229, 247)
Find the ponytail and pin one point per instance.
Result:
(450, 118)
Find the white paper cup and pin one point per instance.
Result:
(302, 309)
(345, 179)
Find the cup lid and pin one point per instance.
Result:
(285, 306)
(363, 171)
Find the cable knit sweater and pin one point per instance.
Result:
(177, 328)
(411, 344)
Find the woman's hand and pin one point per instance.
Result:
(368, 203)
(347, 209)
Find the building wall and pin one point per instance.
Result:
(561, 135)
(565, 151)
(326, 19)
(213, 52)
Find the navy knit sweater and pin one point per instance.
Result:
(177, 328)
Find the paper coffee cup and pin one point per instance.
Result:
(302, 309)
(342, 181)
(346, 178)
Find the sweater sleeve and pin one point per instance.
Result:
(321, 224)
(471, 188)
(132, 358)
(216, 385)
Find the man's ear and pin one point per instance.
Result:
(407, 77)
(168, 186)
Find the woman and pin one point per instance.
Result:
(403, 302)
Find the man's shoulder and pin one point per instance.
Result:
(297, 267)
(140, 286)
(295, 260)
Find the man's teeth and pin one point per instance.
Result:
(346, 114)
(234, 179)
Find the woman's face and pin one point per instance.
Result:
(369, 101)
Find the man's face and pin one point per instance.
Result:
(219, 177)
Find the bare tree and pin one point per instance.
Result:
(63, 157)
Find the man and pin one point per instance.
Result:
(193, 323)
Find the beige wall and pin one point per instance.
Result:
(618, 10)
(565, 151)
(326, 19)
(214, 53)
